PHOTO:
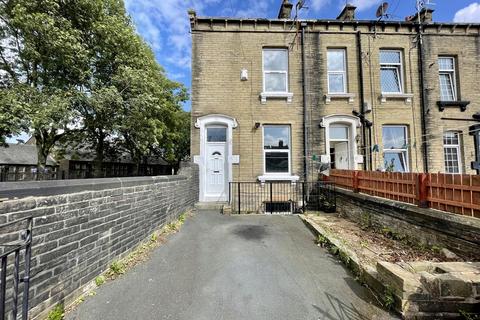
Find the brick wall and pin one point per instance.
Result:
(458, 233)
(77, 235)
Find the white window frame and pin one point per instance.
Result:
(405, 130)
(453, 77)
(343, 73)
(395, 66)
(285, 72)
(265, 151)
(458, 149)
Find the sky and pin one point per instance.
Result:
(164, 23)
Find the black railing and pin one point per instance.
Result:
(282, 197)
(16, 242)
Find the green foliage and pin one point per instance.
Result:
(117, 268)
(322, 240)
(366, 220)
(99, 280)
(77, 71)
(469, 316)
(57, 313)
(389, 298)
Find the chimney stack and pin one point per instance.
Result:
(285, 10)
(348, 13)
(426, 15)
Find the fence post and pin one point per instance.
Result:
(271, 197)
(422, 190)
(355, 181)
(238, 194)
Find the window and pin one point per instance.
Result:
(275, 70)
(391, 71)
(216, 134)
(276, 148)
(395, 148)
(451, 151)
(337, 74)
(446, 69)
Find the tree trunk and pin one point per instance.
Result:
(41, 162)
(99, 155)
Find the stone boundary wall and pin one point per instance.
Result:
(81, 226)
(457, 233)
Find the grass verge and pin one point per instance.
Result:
(119, 267)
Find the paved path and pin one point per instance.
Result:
(235, 267)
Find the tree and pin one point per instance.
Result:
(44, 62)
(77, 68)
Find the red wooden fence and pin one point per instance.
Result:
(454, 193)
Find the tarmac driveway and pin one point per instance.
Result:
(235, 267)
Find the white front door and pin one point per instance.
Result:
(216, 184)
(341, 155)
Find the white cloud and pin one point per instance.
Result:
(316, 5)
(364, 4)
(470, 13)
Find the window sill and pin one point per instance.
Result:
(462, 104)
(389, 96)
(278, 177)
(276, 95)
(330, 96)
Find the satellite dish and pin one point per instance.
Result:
(382, 10)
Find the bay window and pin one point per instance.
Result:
(395, 148)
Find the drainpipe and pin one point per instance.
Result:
(304, 87)
(362, 100)
(423, 99)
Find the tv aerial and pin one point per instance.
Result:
(382, 11)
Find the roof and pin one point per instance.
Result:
(22, 154)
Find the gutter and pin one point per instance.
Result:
(305, 118)
(362, 101)
(423, 101)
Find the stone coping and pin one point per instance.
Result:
(406, 209)
(15, 190)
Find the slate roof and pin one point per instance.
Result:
(22, 154)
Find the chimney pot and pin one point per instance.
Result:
(348, 13)
(426, 15)
(285, 10)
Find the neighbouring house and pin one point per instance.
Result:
(277, 99)
(80, 166)
(18, 162)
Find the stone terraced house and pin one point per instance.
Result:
(277, 99)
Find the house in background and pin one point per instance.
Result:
(18, 162)
(276, 99)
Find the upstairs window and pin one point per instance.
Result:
(275, 70)
(395, 148)
(391, 71)
(451, 152)
(276, 148)
(337, 71)
(446, 69)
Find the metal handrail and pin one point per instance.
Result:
(25, 243)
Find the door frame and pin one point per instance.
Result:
(202, 123)
(352, 123)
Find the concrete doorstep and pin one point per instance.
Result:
(417, 290)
